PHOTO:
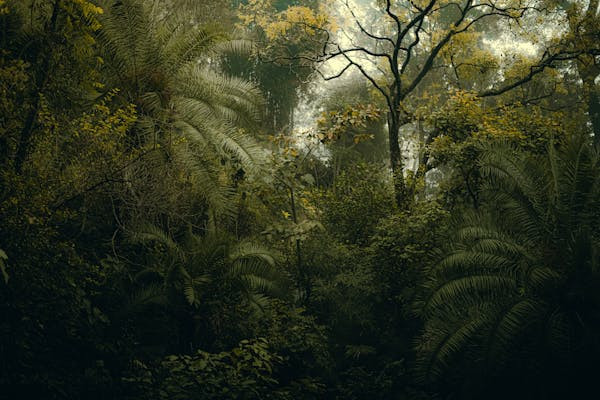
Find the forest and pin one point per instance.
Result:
(299, 199)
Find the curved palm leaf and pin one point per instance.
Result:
(520, 265)
(170, 71)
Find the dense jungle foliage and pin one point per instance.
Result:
(299, 199)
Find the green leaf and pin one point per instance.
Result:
(308, 179)
(3, 258)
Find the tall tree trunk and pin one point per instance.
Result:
(588, 72)
(594, 111)
(40, 81)
(586, 66)
(424, 155)
(302, 272)
(396, 161)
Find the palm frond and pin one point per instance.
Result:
(249, 250)
(182, 45)
(512, 321)
(148, 233)
(469, 290)
(169, 69)
(443, 343)
(501, 284)
(147, 295)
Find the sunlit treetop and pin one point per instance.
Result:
(292, 23)
(3, 7)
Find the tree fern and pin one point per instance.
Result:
(186, 107)
(188, 265)
(520, 280)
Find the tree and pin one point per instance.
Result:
(585, 30)
(280, 29)
(198, 284)
(58, 38)
(515, 297)
(351, 210)
(187, 265)
(464, 122)
(351, 127)
(190, 115)
(408, 47)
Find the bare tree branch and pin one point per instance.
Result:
(435, 51)
(363, 30)
(370, 78)
(416, 20)
(411, 46)
(547, 62)
(388, 10)
(328, 78)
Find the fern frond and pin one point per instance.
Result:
(249, 250)
(469, 290)
(441, 347)
(511, 323)
(147, 295)
(501, 284)
(148, 233)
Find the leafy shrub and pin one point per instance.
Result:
(245, 372)
(403, 245)
(355, 203)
